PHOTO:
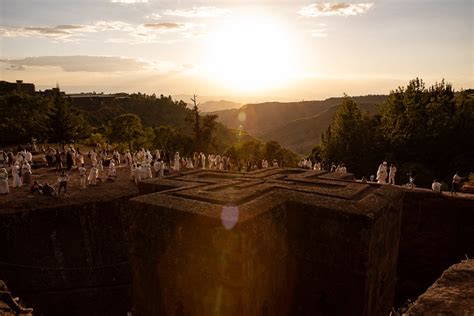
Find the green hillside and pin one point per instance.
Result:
(295, 125)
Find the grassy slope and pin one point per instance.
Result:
(295, 125)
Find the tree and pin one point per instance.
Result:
(349, 138)
(23, 117)
(126, 128)
(66, 125)
(196, 122)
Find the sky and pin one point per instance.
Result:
(237, 50)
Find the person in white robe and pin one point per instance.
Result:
(80, 158)
(143, 172)
(26, 173)
(4, 189)
(157, 167)
(16, 175)
(382, 173)
(28, 157)
(128, 158)
(112, 172)
(176, 161)
(93, 155)
(149, 174)
(189, 163)
(162, 169)
(137, 174)
(275, 163)
(82, 176)
(93, 175)
(203, 161)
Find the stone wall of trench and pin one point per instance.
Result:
(69, 260)
(436, 232)
(74, 260)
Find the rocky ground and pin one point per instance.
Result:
(451, 294)
(20, 198)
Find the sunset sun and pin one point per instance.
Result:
(251, 54)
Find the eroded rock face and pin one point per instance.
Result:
(270, 242)
(437, 231)
(451, 294)
(69, 260)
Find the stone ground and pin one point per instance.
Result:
(451, 294)
(20, 198)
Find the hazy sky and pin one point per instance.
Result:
(249, 50)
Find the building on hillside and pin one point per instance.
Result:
(18, 86)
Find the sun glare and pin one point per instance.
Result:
(251, 54)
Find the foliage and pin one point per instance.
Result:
(349, 138)
(170, 140)
(428, 129)
(255, 151)
(65, 124)
(128, 129)
(23, 117)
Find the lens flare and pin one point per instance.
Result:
(229, 216)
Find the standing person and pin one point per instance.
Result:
(82, 176)
(16, 175)
(69, 160)
(112, 174)
(203, 161)
(62, 180)
(391, 174)
(382, 173)
(4, 189)
(455, 183)
(128, 158)
(28, 157)
(157, 167)
(137, 173)
(59, 162)
(176, 161)
(93, 156)
(26, 173)
(412, 178)
(93, 174)
(80, 157)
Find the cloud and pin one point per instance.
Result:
(319, 33)
(129, 1)
(114, 31)
(334, 9)
(198, 12)
(153, 16)
(58, 32)
(165, 26)
(78, 63)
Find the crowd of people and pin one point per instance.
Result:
(102, 164)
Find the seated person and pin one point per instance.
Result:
(36, 188)
(49, 190)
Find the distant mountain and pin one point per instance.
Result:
(211, 106)
(295, 125)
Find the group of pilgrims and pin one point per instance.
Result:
(102, 165)
(321, 166)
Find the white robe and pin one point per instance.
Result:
(176, 162)
(382, 174)
(93, 174)
(16, 176)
